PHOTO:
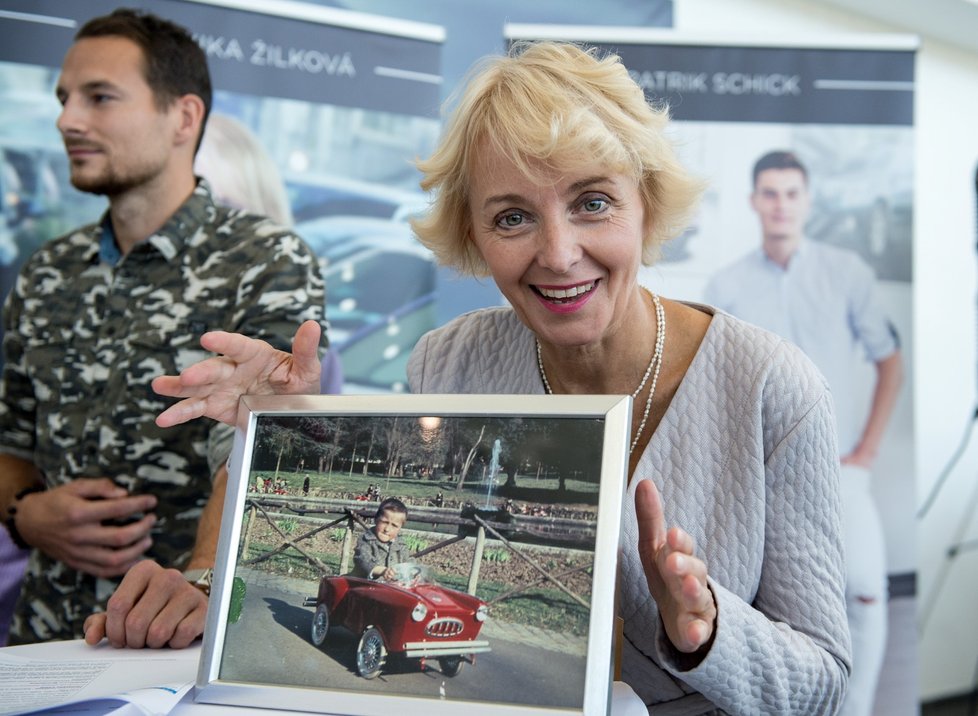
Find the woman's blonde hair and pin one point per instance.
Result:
(566, 107)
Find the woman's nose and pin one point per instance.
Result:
(559, 248)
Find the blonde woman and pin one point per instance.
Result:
(555, 178)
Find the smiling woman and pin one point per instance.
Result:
(556, 177)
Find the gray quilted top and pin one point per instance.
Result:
(746, 462)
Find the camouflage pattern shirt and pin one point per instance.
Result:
(85, 335)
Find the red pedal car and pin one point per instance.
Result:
(411, 616)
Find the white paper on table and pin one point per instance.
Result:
(150, 685)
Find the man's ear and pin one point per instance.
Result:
(189, 110)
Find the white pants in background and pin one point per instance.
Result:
(865, 578)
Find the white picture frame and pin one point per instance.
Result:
(542, 483)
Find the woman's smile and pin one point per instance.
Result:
(565, 299)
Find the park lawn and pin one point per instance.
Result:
(343, 484)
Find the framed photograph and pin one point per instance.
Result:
(436, 554)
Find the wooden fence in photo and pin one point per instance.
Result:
(511, 532)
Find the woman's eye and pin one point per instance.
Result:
(511, 220)
(595, 204)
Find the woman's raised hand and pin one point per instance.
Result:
(676, 577)
(245, 366)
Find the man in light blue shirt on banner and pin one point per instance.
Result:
(822, 298)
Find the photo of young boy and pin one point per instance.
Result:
(478, 576)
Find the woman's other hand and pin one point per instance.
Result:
(245, 366)
(676, 577)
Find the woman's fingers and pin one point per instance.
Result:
(677, 578)
(245, 365)
(650, 518)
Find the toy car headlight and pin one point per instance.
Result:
(419, 612)
(481, 613)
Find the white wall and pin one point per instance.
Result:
(945, 295)
(944, 312)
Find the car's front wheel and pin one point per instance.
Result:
(320, 625)
(371, 653)
(451, 665)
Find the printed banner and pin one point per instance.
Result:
(843, 111)
(337, 103)
(359, 63)
(776, 85)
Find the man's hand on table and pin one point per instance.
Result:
(152, 607)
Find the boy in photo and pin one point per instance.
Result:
(379, 549)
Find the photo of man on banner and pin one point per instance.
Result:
(822, 298)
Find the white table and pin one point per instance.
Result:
(141, 666)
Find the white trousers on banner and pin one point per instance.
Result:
(866, 588)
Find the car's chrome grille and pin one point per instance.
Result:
(444, 627)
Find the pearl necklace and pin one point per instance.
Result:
(655, 364)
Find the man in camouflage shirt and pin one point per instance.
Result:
(87, 479)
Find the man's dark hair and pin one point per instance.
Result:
(394, 505)
(174, 64)
(779, 160)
